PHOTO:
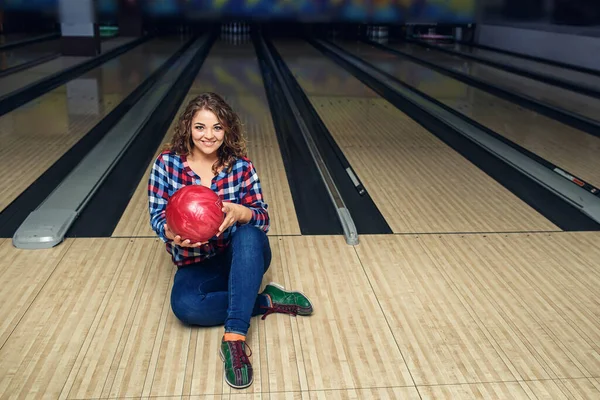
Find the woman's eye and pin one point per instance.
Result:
(218, 128)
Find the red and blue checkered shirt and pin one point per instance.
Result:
(170, 172)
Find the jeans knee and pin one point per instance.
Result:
(180, 305)
(249, 234)
(251, 242)
(188, 307)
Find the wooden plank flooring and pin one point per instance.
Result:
(29, 76)
(399, 316)
(418, 182)
(19, 56)
(568, 148)
(415, 316)
(426, 186)
(555, 71)
(50, 125)
(22, 276)
(245, 93)
(572, 101)
(21, 79)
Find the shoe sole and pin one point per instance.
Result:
(277, 285)
(225, 375)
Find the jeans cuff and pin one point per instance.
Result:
(236, 325)
(236, 332)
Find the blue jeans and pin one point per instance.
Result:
(224, 289)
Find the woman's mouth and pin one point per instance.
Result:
(208, 143)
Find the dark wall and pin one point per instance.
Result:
(20, 22)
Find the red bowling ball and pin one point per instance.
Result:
(194, 212)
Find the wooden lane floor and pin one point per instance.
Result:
(398, 316)
(574, 102)
(555, 71)
(12, 38)
(21, 55)
(233, 72)
(566, 147)
(21, 79)
(35, 135)
(418, 183)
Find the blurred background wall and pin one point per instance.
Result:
(562, 30)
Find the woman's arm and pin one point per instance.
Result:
(251, 196)
(158, 197)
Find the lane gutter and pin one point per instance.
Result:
(562, 202)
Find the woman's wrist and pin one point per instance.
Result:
(247, 215)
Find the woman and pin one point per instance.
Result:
(217, 282)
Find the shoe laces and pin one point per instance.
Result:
(291, 309)
(239, 358)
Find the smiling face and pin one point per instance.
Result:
(208, 133)
(209, 128)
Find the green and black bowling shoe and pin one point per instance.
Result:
(236, 364)
(237, 368)
(286, 302)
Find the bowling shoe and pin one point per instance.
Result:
(286, 302)
(236, 364)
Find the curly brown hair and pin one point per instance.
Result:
(234, 143)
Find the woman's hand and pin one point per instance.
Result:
(234, 213)
(177, 239)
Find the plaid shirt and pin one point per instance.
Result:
(241, 186)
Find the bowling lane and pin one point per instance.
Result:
(554, 71)
(18, 37)
(21, 55)
(576, 103)
(232, 71)
(37, 134)
(26, 77)
(418, 183)
(566, 147)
